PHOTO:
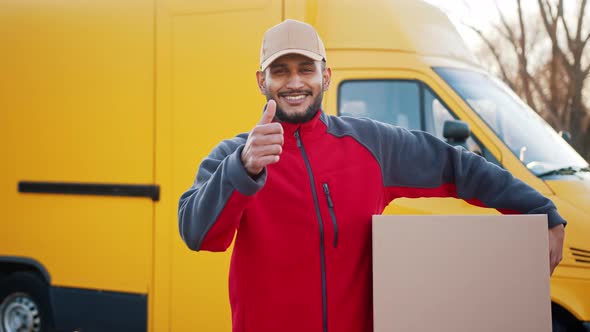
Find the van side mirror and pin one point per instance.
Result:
(566, 136)
(456, 132)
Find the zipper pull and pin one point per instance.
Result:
(298, 138)
(327, 192)
(331, 206)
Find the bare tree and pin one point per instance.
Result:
(554, 86)
(571, 58)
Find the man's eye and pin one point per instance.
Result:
(307, 70)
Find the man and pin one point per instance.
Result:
(302, 186)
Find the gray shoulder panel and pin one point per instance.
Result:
(395, 149)
(416, 159)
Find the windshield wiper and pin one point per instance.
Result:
(564, 171)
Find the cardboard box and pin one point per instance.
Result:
(461, 273)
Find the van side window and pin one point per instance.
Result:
(395, 102)
(405, 103)
(435, 114)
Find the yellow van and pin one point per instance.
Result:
(107, 108)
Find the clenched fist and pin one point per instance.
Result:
(556, 235)
(265, 142)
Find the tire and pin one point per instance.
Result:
(24, 304)
(559, 325)
(565, 323)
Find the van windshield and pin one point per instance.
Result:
(527, 135)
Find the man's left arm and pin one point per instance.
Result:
(432, 168)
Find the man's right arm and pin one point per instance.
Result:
(210, 211)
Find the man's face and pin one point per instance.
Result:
(297, 84)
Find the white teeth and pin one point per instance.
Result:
(299, 97)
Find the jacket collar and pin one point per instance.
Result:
(309, 130)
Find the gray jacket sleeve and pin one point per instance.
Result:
(427, 162)
(417, 164)
(210, 211)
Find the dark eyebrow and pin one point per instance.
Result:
(284, 65)
(275, 65)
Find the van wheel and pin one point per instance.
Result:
(563, 323)
(24, 304)
(558, 325)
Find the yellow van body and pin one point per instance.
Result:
(107, 108)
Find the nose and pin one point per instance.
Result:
(295, 82)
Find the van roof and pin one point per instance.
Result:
(412, 26)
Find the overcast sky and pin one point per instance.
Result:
(481, 14)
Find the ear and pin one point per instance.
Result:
(261, 78)
(327, 76)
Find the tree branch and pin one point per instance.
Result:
(551, 26)
(585, 41)
(540, 91)
(553, 16)
(544, 17)
(580, 20)
(522, 59)
(522, 30)
(495, 53)
(503, 34)
(567, 32)
(506, 26)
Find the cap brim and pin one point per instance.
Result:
(309, 54)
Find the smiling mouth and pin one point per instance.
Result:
(298, 97)
(294, 98)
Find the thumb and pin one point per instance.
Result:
(269, 113)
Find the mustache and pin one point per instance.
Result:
(294, 92)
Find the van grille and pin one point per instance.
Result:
(580, 255)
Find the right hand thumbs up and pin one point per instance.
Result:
(269, 112)
(265, 142)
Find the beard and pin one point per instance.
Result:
(309, 113)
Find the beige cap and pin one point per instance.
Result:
(291, 36)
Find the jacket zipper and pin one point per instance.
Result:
(332, 214)
(321, 224)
